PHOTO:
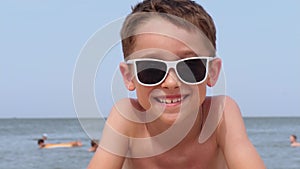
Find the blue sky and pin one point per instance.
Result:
(259, 42)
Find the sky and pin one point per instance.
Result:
(42, 41)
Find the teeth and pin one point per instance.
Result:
(169, 101)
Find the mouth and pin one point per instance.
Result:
(171, 100)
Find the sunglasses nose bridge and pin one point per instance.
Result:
(171, 65)
(171, 79)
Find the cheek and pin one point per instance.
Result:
(143, 94)
(201, 90)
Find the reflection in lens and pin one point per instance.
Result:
(150, 72)
(192, 71)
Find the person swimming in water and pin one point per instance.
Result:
(293, 140)
(42, 144)
(94, 146)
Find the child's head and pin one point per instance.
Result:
(185, 9)
(168, 47)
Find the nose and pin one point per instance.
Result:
(171, 81)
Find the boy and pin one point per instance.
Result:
(169, 48)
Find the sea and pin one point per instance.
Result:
(19, 149)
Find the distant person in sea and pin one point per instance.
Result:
(42, 144)
(293, 140)
(45, 136)
(94, 145)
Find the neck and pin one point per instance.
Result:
(188, 128)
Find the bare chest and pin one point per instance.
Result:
(196, 156)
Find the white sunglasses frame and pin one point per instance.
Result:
(170, 64)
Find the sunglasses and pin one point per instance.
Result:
(151, 72)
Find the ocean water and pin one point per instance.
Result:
(18, 147)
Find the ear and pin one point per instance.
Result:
(214, 71)
(127, 76)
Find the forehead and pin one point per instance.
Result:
(160, 33)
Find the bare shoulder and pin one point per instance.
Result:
(232, 121)
(115, 138)
(297, 144)
(119, 128)
(125, 116)
(219, 113)
(231, 106)
(224, 113)
(225, 105)
(233, 140)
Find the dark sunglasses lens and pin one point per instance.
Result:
(150, 72)
(192, 71)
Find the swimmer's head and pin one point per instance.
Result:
(40, 141)
(44, 136)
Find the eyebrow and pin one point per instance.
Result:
(187, 51)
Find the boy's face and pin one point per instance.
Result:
(162, 40)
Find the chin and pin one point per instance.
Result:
(169, 118)
(177, 117)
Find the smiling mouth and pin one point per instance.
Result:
(171, 100)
